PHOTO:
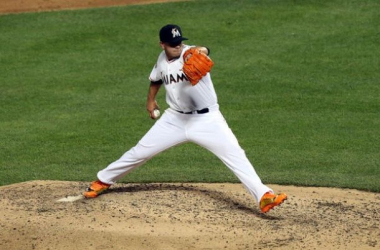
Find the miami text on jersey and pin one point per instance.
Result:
(169, 79)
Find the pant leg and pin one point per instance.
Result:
(165, 133)
(211, 131)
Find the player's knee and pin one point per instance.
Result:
(141, 152)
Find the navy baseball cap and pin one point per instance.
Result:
(171, 34)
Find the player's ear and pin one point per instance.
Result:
(162, 45)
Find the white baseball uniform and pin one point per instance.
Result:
(193, 116)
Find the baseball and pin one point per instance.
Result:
(156, 113)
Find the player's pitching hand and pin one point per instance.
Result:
(154, 114)
(153, 110)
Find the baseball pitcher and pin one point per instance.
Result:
(193, 116)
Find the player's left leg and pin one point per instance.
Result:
(213, 133)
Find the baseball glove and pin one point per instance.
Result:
(196, 65)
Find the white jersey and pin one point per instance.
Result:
(180, 94)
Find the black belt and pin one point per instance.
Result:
(202, 111)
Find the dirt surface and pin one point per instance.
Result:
(177, 216)
(16, 6)
(184, 216)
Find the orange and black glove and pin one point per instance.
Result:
(196, 65)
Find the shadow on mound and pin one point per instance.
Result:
(217, 196)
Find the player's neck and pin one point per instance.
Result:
(172, 58)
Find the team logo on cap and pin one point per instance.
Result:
(175, 32)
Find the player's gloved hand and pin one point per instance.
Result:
(196, 65)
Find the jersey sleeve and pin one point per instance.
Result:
(155, 75)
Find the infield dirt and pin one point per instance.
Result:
(178, 216)
(184, 216)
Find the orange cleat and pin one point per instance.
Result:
(270, 200)
(96, 188)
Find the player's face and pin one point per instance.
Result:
(172, 50)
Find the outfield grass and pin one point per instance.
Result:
(298, 82)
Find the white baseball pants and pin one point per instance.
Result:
(208, 130)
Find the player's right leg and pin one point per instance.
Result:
(165, 133)
(95, 189)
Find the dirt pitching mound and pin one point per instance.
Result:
(53, 215)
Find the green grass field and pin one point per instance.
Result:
(298, 82)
